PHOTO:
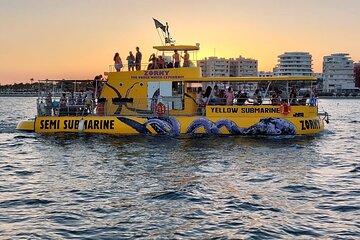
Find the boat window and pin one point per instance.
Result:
(177, 88)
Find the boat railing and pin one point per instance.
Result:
(126, 68)
(115, 106)
(174, 105)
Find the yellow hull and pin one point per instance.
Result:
(238, 120)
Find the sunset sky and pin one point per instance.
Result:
(77, 39)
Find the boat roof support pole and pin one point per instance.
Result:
(267, 88)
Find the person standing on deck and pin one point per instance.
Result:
(229, 95)
(186, 58)
(131, 61)
(176, 59)
(138, 58)
(118, 63)
(49, 105)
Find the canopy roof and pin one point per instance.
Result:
(177, 47)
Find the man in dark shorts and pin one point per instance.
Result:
(138, 58)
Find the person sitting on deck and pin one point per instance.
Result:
(257, 97)
(293, 96)
(275, 97)
(153, 62)
(241, 98)
(304, 99)
(222, 97)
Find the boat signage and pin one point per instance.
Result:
(244, 110)
(310, 124)
(73, 124)
(156, 74)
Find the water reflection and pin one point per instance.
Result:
(106, 186)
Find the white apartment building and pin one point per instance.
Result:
(233, 67)
(294, 64)
(338, 73)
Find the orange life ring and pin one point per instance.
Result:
(285, 108)
(160, 108)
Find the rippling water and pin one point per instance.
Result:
(68, 186)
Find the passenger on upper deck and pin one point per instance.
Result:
(131, 61)
(186, 58)
(160, 62)
(153, 62)
(176, 59)
(138, 59)
(118, 62)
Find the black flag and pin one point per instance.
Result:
(159, 25)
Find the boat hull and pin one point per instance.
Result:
(175, 125)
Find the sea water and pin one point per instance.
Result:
(85, 186)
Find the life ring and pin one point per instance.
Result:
(285, 108)
(160, 108)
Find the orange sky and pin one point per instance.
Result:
(66, 39)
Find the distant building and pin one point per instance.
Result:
(265, 74)
(294, 64)
(319, 82)
(243, 67)
(357, 74)
(232, 67)
(338, 73)
(214, 67)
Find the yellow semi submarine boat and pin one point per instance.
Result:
(166, 101)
